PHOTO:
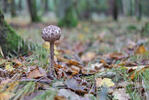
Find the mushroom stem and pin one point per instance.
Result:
(51, 68)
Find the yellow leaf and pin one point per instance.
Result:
(46, 45)
(36, 73)
(8, 67)
(56, 51)
(104, 82)
(5, 95)
(140, 50)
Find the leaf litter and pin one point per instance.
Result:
(87, 69)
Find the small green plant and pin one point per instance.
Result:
(27, 89)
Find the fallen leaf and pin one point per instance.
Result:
(94, 68)
(72, 62)
(88, 56)
(6, 81)
(5, 95)
(59, 98)
(69, 95)
(8, 67)
(87, 71)
(46, 45)
(17, 63)
(2, 61)
(116, 55)
(139, 69)
(104, 82)
(75, 70)
(36, 73)
(140, 50)
(79, 86)
(97, 66)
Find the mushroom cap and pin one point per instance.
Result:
(51, 33)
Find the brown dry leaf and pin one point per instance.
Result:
(63, 70)
(103, 61)
(69, 95)
(79, 86)
(139, 70)
(88, 71)
(59, 58)
(140, 50)
(59, 98)
(72, 62)
(116, 55)
(17, 63)
(75, 70)
(135, 70)
(94, 68)
(5, 95)
(74, 85)
(6, 81)
(79, 47)
(36, 73)
(88, 56)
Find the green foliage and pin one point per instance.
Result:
(46, 95)
(69, 19)
(145, 77)
(133, 92)
(11, 42)
(27, 89)
(145, 29)
(131, 27)
(40, 55)
(67, 13)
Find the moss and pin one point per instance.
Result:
(10, 42)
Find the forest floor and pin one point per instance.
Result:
(103, 60)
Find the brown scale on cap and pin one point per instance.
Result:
(51, 33)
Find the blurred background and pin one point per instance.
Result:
(69, 12)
